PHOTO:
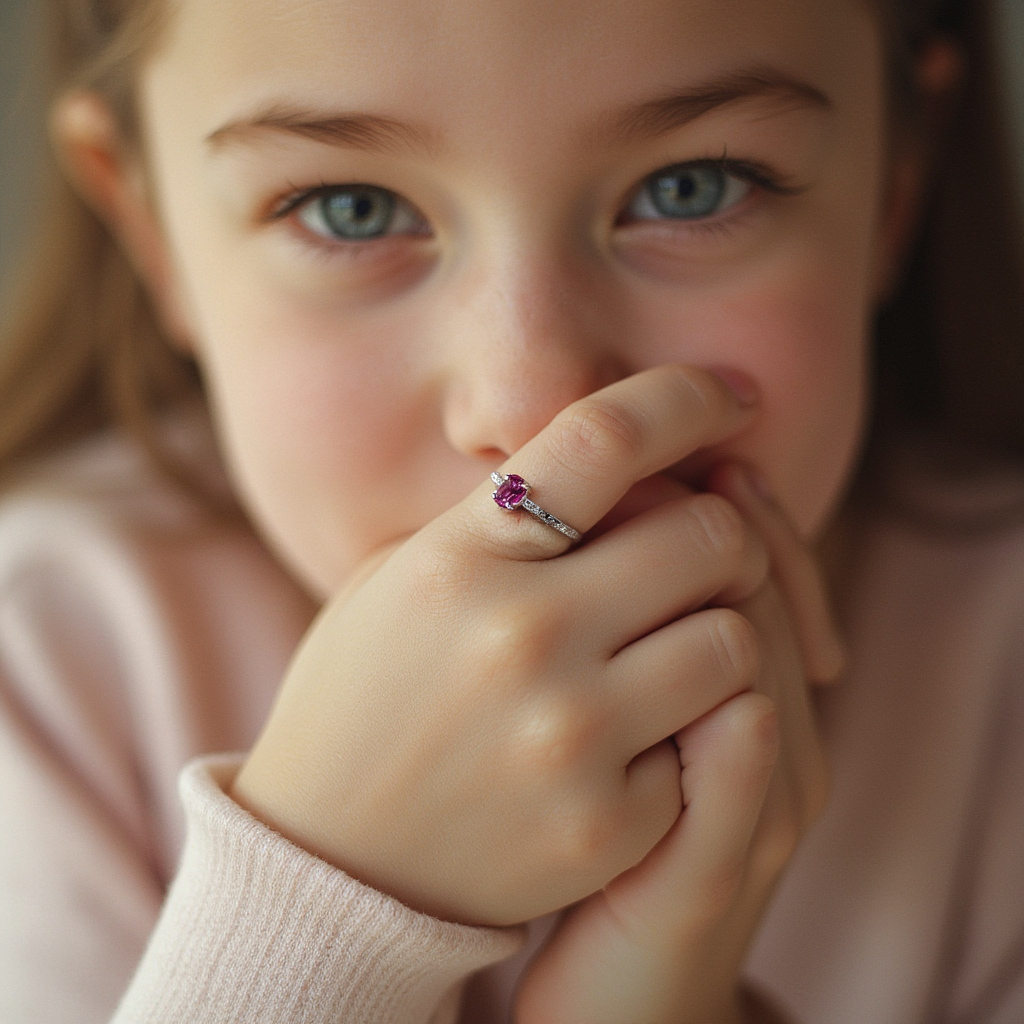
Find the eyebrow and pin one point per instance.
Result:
(659, 116)
(370, 132)
(377, 133)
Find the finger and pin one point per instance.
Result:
(586, 459)
(662, 683)
(728, 758)
(799, 785)
(661, 565)
(794, 568)
(365, 569)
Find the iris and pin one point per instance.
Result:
(356, 213)
(688, 191)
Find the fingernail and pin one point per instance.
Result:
(740, 384)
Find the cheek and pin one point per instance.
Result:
(801, 333)
(809, 353)
(312, 417)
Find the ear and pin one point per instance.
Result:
(96, 161)
(937, 76)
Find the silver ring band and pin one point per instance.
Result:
(511, 494)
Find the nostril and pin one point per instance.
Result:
(493, 457)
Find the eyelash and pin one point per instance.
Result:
(719, 221)
(754, 173)
(299, 197)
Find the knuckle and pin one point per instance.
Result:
(554, 737)
(736, 645)
(517, 639)
(596, 432)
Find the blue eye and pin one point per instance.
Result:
(357, 213)
(687, 192)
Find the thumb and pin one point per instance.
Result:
(692, 877)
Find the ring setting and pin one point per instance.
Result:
(511, 494)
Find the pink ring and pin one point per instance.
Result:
(511, 494)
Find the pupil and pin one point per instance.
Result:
(358, 213)
(688, 193)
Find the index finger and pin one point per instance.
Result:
(582, 463)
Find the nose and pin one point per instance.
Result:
(530, 335)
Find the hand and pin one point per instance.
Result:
(664, 942)
(475, 728)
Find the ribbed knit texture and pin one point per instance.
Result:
(255, 930)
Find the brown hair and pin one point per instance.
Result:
(84, 350)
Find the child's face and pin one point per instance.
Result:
(521, 255)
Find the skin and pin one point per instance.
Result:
(448, 353)
(519, 714)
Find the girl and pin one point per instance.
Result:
(540, 765)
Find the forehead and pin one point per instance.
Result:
(469, 62)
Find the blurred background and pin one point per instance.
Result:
(21, 130)
(22, 133)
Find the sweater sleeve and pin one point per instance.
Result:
(80, 878)
(256, 929)
(134, 636)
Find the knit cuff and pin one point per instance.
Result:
(255, 929)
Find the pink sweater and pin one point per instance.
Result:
(136, 636)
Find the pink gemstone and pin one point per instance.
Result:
(511, 492)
